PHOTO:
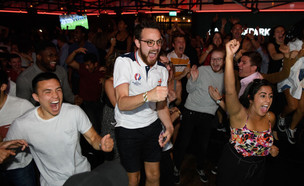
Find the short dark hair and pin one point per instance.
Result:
(176, 35)
(220, 49)
(252, 89)
(43, 45)
(147, 23)
(234, 25)
(90, 57)
(13, 55)
(255, 59)
(41, 77)
(83, 30)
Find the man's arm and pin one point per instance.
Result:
(126, 102)
(6, 148)
(283, 74)
(164, 116)
(70, 59)
(191, 83)
(99, 143)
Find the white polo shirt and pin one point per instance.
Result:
(130, 69)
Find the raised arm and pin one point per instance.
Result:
(273, 53)
(290, 58)
(70, 59)
(233, 104)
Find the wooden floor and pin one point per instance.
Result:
(189, 176)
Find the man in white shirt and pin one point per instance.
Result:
(52, 132)
(140, 84)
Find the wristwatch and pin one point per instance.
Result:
(219, 100)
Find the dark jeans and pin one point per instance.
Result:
(19, 177)
(195, 124)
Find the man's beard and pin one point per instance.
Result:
(145, 58)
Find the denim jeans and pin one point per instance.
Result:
(19, 177)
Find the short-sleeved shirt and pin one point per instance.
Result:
(130, 69)
(13, 108)
(179, 63)
(54, 143)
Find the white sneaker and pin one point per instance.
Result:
(281, 124)
(290, 135)
(168, 146)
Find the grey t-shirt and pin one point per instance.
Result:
(198, 98)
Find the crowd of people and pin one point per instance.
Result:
(141, 96)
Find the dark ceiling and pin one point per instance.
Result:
(129, 6)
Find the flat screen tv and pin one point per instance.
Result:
(69, 22)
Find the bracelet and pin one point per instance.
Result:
(219, 100)
(145, 97)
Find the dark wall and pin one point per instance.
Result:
(200, 22)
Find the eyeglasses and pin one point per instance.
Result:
(151, 43)
(216, 59)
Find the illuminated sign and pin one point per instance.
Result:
(262, 31)
(172, 13)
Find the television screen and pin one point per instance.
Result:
(69, 22)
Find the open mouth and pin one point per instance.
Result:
(152, 54)
(55, 105)
(53, 64)
(181, 48)
(264, 108)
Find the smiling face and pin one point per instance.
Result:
(91, 67)
(217, 39)
(245, 67)
(279, 35)
(217, 61)
(262, 100)
(122, 25)
(179, 45)
(236, 31)
(49, 95)
(79, 36)
(148, 54)
(15, 63)
(47, 59)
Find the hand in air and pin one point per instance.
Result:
(231, 47)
